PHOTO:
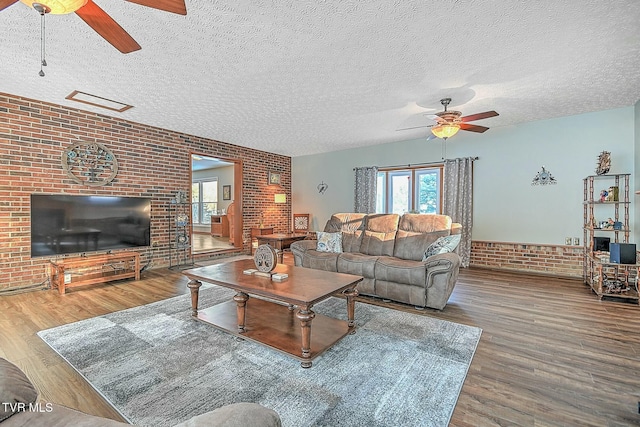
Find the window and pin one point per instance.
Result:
(417, 190)
(204, 200)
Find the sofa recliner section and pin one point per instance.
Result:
(388, 250)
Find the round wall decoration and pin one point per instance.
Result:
(265, 258)
(89, 164)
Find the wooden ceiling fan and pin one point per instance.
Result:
(448, 123)
(98, 19)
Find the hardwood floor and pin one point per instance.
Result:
(207, 243)
(551, 354)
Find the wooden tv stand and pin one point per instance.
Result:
(92, 269)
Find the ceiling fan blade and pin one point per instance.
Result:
(479, 116)
(6, 3)
(473, 128)
(431, 136)
(433, 117)
(415, 127)
(109, 29)
(173, 6)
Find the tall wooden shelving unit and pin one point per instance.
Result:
(608, 279)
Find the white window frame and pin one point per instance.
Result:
(200, 202)
(384, 194)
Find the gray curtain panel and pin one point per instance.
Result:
(365, 189)
(458, 203)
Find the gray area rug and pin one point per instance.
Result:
(158, 366)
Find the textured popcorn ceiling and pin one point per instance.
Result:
(303, 77)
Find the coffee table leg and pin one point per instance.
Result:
(351, 294)
(194, 287)
(241, 300)
(306, 315)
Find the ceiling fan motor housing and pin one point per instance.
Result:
(450, 116)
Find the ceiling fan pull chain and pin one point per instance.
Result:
(43, 61)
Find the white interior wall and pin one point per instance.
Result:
(507, 207)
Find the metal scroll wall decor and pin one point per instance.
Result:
(543, 177)
(90, 164)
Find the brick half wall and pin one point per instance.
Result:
(554, 260)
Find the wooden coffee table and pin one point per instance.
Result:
(270, 318)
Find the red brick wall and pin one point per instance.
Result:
(152, 162)
(556, 260)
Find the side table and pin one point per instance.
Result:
(280, 242)
(257, 231)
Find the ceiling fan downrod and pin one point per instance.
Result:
(445, 102)
(42, 10)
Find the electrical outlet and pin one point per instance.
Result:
(567, 240)
(576, 241)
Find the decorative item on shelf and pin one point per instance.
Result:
(182, 220)
(608, 224)
(226, 192)
(543, 177)
(275, 178)
(614, 286)
(181, 197)
(322, 187)
(604, 163)
(265, 259)
(603, 195)
(612, 194)
(182, 240)
(261, 223)
(89, 164)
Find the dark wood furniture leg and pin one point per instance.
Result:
(306, 315)
(194, 287)
(241, 302)
(351, 294)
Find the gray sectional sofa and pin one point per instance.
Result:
(388, 251)
(20, 407)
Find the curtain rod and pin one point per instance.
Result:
(418, 164)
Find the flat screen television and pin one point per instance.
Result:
(65, 224)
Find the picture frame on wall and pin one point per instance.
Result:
(226, 192)
(274, 178)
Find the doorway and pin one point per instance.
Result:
(214, 189)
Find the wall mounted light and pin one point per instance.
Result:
(280, 198)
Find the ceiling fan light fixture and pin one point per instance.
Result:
(57, 7)
(445, 130)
